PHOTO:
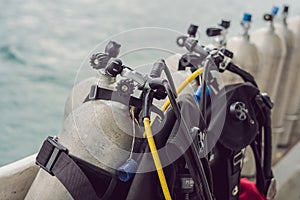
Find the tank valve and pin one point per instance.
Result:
(270, 17)
(245, 23)
(100, 60)
(220, 32)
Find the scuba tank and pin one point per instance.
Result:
(245, 52)
(269, 47)
(283, 95)
(292, 112)
(98, 132)
(246, 56)
(81, 89)
(78, 94)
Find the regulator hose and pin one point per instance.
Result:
(156, 159)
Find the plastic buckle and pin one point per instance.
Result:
(56, 151)
(271, 189)
(238, 158)
(93, 92)
(267, 100)
(226, 61)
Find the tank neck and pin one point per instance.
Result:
(220, 41)
(105, 80)
(271, 26)
(246, 27)
(284, 19)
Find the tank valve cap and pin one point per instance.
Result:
(274, 10)
(225, 24)
(247, 17)
(192, 30)
(112, 49)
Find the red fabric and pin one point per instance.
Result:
(249, 191)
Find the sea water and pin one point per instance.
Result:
(43, 44)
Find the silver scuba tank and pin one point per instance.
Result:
(269, 47)
(78, 94)
(245, 52)
(246, 56)
(281, 100)
(98, 132)
(292, 111)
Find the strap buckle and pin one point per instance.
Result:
(238, 158)
(271, 192)
(267, 100)
(93, 92)
(49, 153)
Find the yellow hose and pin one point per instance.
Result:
(157, 163)
(151, 142)
(183, 85)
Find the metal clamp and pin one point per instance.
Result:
(51, 149)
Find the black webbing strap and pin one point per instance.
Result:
(98, 93)
(234, 163)
(246, 76)
(265, 181)
(54, 158)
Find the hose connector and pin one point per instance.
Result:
(126, 171)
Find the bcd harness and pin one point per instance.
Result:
(247, 122)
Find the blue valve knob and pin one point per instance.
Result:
(274, 10)
(247, 17)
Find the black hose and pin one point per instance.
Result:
(268, 145)
(160, 66)
(246, 76)
(195, 163)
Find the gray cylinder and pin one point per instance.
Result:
(269, 48)
(285, 72)
(245, 54)
(98, 132)
(246, 57)
(78, 94)
(292, 112)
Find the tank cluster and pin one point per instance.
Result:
(131, 135)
